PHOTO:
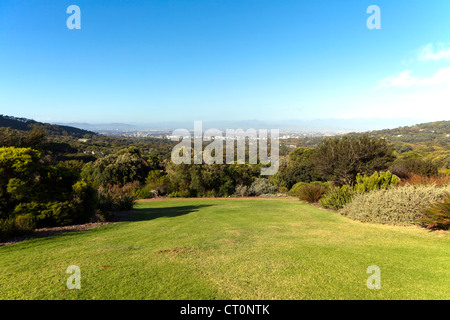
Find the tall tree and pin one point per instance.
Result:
(340, 159)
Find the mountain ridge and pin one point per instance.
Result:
(25, 124)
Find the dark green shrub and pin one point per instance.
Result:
(297, 167)
(125, 202)
(438, 215)
(85, 200)
(210, 194)
(115, 198)
(404, 168)
(120, 168)
(337, 197)
(137, 190)
(143, 193)
(104, 216)
(79, 209)
(175, 194)
(34, 193)
(57, 213)
(7, 228)
(340, 159)
(153, 177)
(17, 226)
(25, 223)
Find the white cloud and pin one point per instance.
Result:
(408, 93)
(406, 79)
(426, 103)
(403, 79)
(430, 53)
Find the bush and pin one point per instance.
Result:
(261, 186)
(416, 179)
(175, 194)
(406, 167)
(80, 208)
(104, 216)
(376, 181)
(397, 206)
(26, 223)
(241, 190)
(115, 198)
(145, 193)
(283, 190)
(17, 226)
(7, 228)
(157, 183)
(142, 193)
(337, 198)
(84, 201)
(35, 193)
(312, 192)
(438, 215)
(56, 213)
(178, 194)
(296, 187)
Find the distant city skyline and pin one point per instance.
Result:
(268, 61)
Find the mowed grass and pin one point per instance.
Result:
(231, 249)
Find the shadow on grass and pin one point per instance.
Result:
(53, 232)
(145, 214)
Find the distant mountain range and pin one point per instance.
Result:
(426, 131)
(318, 125)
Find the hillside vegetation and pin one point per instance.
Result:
(54, 178)
(427, 134)
(52, 129)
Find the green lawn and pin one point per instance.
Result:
(231, 249)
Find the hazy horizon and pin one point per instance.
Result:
(330, 124)
(211, 60)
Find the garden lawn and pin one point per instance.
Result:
(231, 249)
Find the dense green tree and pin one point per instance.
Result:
(117, 169)
(18, 167)
(35, 193)
(301, 167)
(298, 167)
(36, 138)
(209, 180)
(340, 159)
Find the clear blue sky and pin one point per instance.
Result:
(145, 61)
